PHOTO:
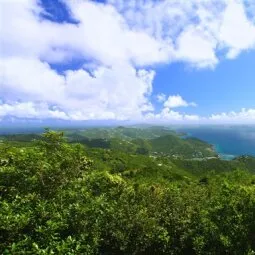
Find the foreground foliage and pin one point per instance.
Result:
(60, 198)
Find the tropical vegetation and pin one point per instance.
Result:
(59, 195)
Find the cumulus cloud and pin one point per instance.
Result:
(177, 101)
(168, 115)
(244, 116)
(30, 79)
(116, 92)
(237, 32)
(31, 110)
(192, 39)
(113, 88)
(120, 42)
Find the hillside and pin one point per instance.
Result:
(124, 133)
(147, 140)
(66, 198)
(187, 148)
(144, 140)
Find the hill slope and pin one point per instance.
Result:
(187, 148)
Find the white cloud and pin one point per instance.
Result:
(125, 39)
(197, 29)
(236, 32)
(116, 92)
(177, 101)
(30, 79)
(169, 116)
(161, 97)
(155, 32)
(31, 110)
(102, 34)
(244, 116)
(188, 43)
(192, 117)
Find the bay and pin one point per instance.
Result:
(228, 141)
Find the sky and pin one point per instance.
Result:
(155, 61)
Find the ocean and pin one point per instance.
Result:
(228, 141)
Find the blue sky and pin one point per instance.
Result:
(146, 60)
(230, 86)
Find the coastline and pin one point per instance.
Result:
(216, 147)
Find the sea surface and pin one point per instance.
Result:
(228, 141)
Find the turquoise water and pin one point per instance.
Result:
(228, 141)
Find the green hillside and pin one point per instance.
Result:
(67, 198)
(124, 133)
(147, 140)
(187, 148)
(144, 141)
